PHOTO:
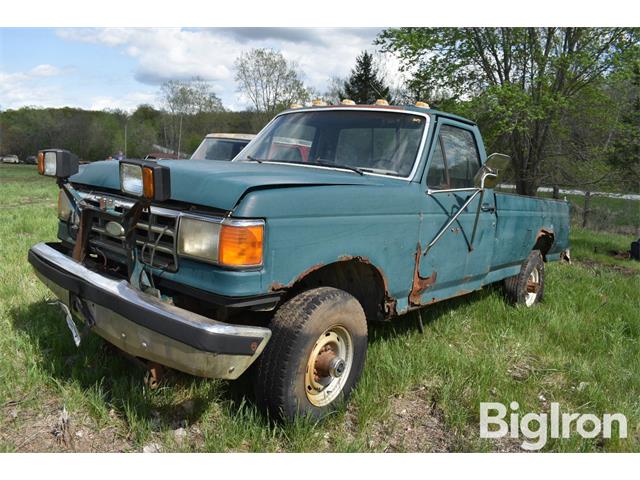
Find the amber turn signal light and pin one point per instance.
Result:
(240, 246)
(41, 163)
(147, 183)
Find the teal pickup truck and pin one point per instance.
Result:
(279, 261)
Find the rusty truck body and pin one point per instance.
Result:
(278, 265)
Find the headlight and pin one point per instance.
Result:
(64, 207)
(233, 243)
(198, 239)
(131, 179)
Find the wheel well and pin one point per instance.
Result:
(544, 242)
(354, 276)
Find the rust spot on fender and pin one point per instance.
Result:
(389, 301)
(420, 284)
(544, 231)
(276, 286)
(544, 241)
(346, 258)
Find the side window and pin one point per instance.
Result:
(456, 154)
(437, 176)
(461, 156)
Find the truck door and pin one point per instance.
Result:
(454, 264)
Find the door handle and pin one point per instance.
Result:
(485, 207)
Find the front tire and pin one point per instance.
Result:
(316, 354)
(527, 288)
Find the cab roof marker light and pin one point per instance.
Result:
(347, 101)
(422, 105)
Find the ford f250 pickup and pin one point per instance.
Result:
(279, 263)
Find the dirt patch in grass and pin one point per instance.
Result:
(49, 427)
(620, 254)
(522, 367)
(28, 202)
(594, 265)
(413, 424)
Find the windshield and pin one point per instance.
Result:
(218, 149)
(380, 142)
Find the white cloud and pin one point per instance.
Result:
(161, 54)
(173, 53)
(33, 88)
(18, 89)
(167, 53)
(45, 70)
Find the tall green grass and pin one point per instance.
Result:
(580, 348)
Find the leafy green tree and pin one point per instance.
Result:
(269, 81)
(87, 133)
(625, 154)
(181, 100)
(364, 85)
(94, 135)
(526, 77)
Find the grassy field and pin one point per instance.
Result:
(420, 392)
(606, 214)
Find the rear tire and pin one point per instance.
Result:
(315, 356)
(527, 287)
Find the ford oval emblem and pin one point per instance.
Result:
(114, 229)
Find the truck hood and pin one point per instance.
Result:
(221, 184)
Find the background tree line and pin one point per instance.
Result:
(563, 102)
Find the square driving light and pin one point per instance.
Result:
(144, 178)
(131, 179)
(57, 163)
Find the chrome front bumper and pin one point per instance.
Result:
(146, 327)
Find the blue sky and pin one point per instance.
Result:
(102, 68)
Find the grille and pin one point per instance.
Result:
(155, 235)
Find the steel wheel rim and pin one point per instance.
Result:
(533, 285)
(322, 387)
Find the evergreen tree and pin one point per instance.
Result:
(364, 85)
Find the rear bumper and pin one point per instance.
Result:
(146, 327)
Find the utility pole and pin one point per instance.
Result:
(179, 136)
(126, 116)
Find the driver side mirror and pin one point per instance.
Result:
(490, 173)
